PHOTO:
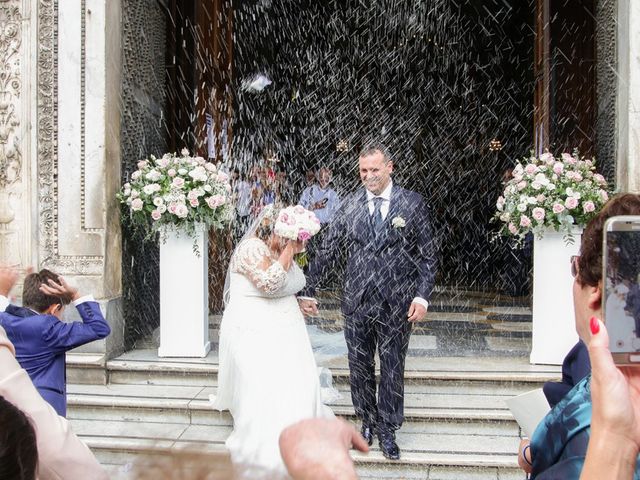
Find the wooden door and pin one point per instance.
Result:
(565, 76)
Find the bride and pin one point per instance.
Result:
(267, 378)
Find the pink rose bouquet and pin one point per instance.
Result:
(550, 193)
(176, 190)
(296, 223)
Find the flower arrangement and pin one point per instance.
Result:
(296, 223)
(550, 193)
(177, 190)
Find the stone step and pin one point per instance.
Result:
(144, 367)
(190, 404)
(488, 454)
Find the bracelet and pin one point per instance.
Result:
(524, 454)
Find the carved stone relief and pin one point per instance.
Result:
(10, 138)
(48, 164)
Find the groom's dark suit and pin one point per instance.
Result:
(386, 268)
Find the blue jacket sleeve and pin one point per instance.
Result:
(427, 258)
(61, 336)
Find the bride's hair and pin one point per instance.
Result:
(268, 222)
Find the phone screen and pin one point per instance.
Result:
(622, 290)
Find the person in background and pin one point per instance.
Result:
(41, 339)
(320, 198)
(310, 178)
(18, 445)
(61, 455)
(242, 199)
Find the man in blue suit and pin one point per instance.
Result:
(41, 339)
(384, 231)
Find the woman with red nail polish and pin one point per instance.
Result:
(559, 445)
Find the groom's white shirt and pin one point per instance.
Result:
(385, 196)
(384, 211)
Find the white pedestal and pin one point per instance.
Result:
(184, 295)
(554, 331)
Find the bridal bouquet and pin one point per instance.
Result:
(550, 193)
(177, 190)
(296, 223)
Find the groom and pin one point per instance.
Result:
(384, 233)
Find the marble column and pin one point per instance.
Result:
(628, 118)
(75, 162)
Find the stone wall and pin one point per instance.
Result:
(606, 87)
(143, 133)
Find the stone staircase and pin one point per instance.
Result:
(457, 425)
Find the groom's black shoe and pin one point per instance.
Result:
(367, 433)
(388, 445)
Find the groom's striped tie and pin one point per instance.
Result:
(377, 214)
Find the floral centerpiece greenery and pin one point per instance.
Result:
(179, 191)
(550, 193)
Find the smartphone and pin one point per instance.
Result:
(621, 278)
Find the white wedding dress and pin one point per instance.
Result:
(268, 377)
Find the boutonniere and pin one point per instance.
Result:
(398, 222)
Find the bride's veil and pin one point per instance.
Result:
(267, 211)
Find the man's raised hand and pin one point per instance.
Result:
(59, 289)
(8, 278)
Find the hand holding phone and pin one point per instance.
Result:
(621, 280)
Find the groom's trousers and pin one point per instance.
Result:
(376, 323)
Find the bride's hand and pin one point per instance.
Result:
(308, 307)
(296, 246)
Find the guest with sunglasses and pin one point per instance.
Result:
(576, 364)
(558, 446)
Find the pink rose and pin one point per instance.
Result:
(223, 177)
(177, 182)
(588, 206)
(599, 178)
(156, 215)
(530, 169)
(136, 204)
(558, 168)
(303, 235)
(558, 208)
(513, 229)
(193, 202)
(210, 167)
(522, 185)
(571, 203)
(172, 172)
(603, 195)
(546, 158)
(525, 221)
(142, 164)
(538, 214)
(541, 198)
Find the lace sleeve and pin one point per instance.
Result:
(253, 259)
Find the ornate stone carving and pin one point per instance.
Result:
(10, 43)
(47, 151)
(10, 139)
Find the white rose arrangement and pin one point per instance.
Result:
(550, 193)
(176, 190)
(296, 223)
